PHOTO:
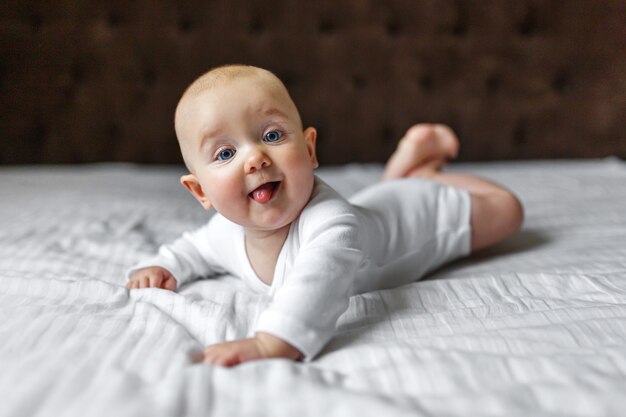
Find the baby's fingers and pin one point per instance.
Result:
(169, 283)
(155, 280)
(221, 357)
(143, 282)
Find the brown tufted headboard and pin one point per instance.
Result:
(89, 81)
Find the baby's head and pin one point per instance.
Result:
(243, 142)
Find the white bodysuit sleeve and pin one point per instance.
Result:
(316, 291)
(189, 257)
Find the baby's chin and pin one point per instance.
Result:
(269, 225)
(269, 222)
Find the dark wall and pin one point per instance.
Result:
(89, 81)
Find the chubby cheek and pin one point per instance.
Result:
(222, 190)
(300, 172)
(296, 155)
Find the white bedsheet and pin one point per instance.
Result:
(535, 326)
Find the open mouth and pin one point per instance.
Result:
(265, 192)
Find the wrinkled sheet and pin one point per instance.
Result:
(535, 326)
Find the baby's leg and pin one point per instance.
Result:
(496, 212)
(423, 150)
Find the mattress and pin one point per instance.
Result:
(534, 326)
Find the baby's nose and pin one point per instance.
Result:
(256, 159)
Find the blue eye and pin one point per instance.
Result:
(225, 154)
(272, 136)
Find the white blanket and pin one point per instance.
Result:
(535, 326)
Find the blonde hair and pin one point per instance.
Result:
(222, 74)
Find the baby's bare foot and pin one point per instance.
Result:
(422, 151)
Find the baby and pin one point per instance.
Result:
(286, 233)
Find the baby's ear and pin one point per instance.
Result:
(195, 188)
(310, 137)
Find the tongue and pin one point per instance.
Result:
(263, 193)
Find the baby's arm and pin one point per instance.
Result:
(188, 257)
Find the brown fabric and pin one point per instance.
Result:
(89, 81)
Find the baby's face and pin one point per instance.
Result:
(250, 157)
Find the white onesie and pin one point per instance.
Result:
(389, 234)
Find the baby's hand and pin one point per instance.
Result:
(152, 277)
(261, 346)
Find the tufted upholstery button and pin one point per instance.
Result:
(149, 76)
(562, 83)
(69, 96)
(529, 25)
(35, 21)
(393, 27)
(113, 131)
(387, 134)
(492, 84)
(358, 81)
(326, 26)
(186, 24)
(460, 26)
(39, 134)
(115, 19)
(77, 73)
(255, 26)
(425, 83)
(520, 131)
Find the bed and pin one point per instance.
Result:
(535, 326)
